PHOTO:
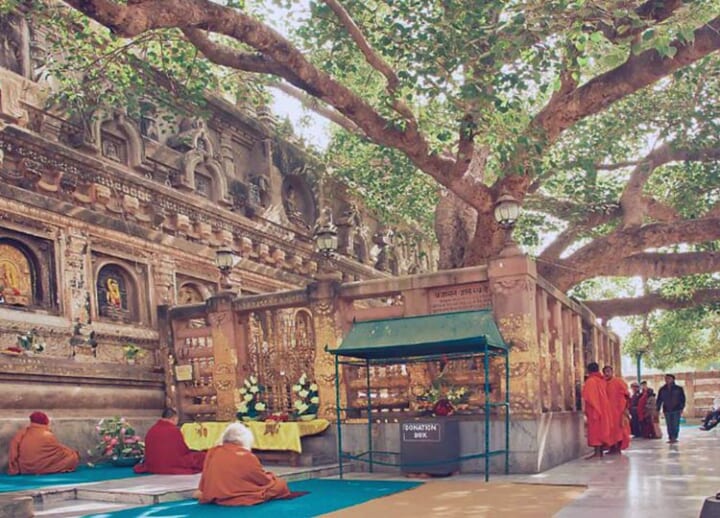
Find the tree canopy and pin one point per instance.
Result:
(601, 117)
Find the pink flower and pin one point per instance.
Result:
(114, 441)
(107, 437)
(122, 431)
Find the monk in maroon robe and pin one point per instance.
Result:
(597, 410)
(35, 450)
(166, 452)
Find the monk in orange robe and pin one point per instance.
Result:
(597, 410)
(619, 398)
(232, 475)
(166, 452)
(35, 450)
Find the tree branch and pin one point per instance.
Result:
(622, 307)
(654, 11)
(632, 201)
(584, 263)
(637, 72)
(661, 265)
(312, 103)
(131, 20)
(230, 57)
(372, 57)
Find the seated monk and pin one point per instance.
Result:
(232, 475)
(36, 451)
(166, 452)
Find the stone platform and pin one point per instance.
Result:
(114, 495)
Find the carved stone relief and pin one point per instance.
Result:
(15, 44)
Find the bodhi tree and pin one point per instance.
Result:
(599, 116)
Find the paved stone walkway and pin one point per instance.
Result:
(652, 479)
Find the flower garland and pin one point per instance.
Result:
(249, 397)
(308, 401)
(118, 439)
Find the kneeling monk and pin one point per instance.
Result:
(232, 475)
(36, 451)
(166, 452)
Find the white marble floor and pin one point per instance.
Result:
(651, 479)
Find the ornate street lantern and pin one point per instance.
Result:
(507, 211)
(225, 260)
(325, 234)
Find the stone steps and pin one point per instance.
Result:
(114, 495)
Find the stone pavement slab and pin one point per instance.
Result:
(652, 478)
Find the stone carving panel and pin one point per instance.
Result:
(15, 44)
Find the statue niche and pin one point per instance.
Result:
(15, 44)
(298, 202)
(113, 294)
(350, 235)
(16, 276)
(190, 293)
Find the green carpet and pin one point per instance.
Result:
(325, 496)
(83, 475)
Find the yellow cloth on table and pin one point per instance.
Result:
(268, 435)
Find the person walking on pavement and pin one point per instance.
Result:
(671, 399)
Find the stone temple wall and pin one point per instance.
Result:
(106, 216)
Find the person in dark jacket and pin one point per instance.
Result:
(635, 427)
(671, 399)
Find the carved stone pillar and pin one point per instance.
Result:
(323, 304)
(222, 331)
(164, 281)
(512, 284)
(77, 279)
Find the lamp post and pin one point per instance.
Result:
(325, 235)
(225, 260)
(639, 356)
(507, 210)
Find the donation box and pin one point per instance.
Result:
(430, 445)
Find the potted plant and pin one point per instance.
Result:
(118, 442)
(307, 401)
(132, 353)
(250, 406)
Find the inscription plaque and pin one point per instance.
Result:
(458, 298)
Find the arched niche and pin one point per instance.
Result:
(298, 201)
(117, 293)
(110, 134)
(193, 293)
(202, 174)
(19, 275)
(118, 132)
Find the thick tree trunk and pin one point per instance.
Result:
(488, 241)
(454, 227)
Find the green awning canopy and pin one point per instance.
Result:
(427, 335)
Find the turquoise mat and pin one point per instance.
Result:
(325, 496)
(83, 475)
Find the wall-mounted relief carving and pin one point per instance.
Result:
(193, 291)
(15, 44)
(384, 259)
(149, 127)
(200, 171)
(298, 202)
(259, 191)
(352, 241)
(108, 133)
